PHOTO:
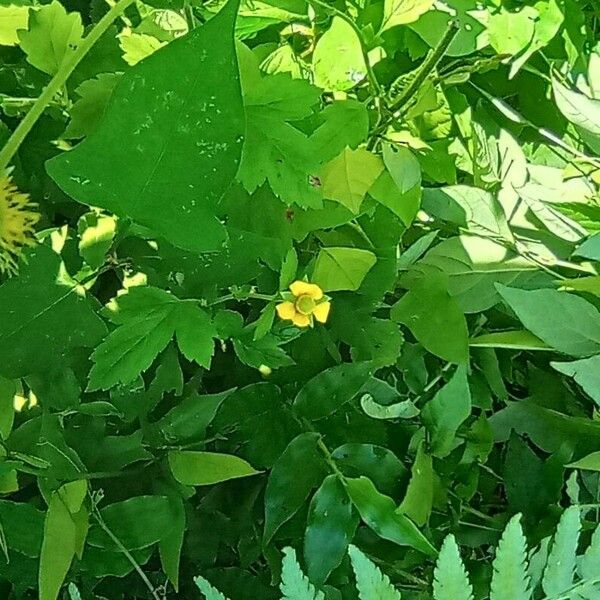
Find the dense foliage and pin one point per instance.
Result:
(300, 298)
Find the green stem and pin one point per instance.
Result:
(57, 83)
(428, 65)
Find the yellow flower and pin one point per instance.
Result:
(305, 303)
(17, 223)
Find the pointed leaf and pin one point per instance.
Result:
(371, 583)
(450, 578)
(180, 125)
(510, 580)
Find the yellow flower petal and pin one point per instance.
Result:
(321, 311)
(301, 320)
(17, 225)
(300, 288)
(286, 310)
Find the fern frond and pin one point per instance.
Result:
(294, 584)
(558, 575)
(208, 590)
(371, 583)
(590, 562)
(510, 580)
(537, 562)
(450, 577)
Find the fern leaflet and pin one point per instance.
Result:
(208, 590)
(510, 580)
(371, 583)
(588, 569)
(294, 584)
(558, 575)
(450, 577)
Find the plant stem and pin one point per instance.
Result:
(125, 552)
(57, 82)
(427, 66)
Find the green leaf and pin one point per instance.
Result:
(22, 527)
(404, 205)
(138, 522)
(576, 333)
(58, 548)
(288, 269)
(148, 319)
(590, 248)
(187, 146)
(294, 584)
(591, 462)
(8, 390)
(473, 266)
(450, 578)
(586, 373)
(138, 46)
(446, 412)
(381, 465)
(328, 391)
(275, 151)
(560, 569)
(210, 593)
(400, 410)
(34, 308)
(338, 269)
(343, 123)
(400, 12)
(434, 318)
(510, 580)
(338, 62)
(190, 417)
(511, 32)
(511, 340)
(548, 429)
(349, 176)
(52, 37)
(170, 546)
(87, 112)
(261, 351)
(588, 568)
(403, 167)
(195, 332)
(207, 468)
(371, 583)
(330, 527)
(577, 108)
(12, 18)
(380, 514)
(472, 208)
(297, 471)
(418, 501)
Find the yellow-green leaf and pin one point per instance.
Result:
(12, 18)
(348, 177)
(207, 468)
(401, 12)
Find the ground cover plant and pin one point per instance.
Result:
(300, 299)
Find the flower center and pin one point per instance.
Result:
(305, 304)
